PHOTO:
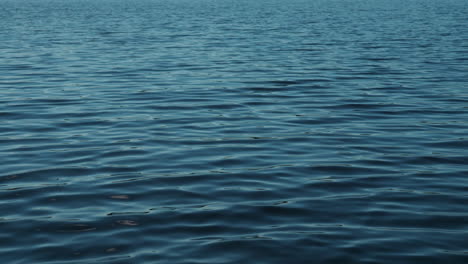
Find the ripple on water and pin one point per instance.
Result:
(221, 132)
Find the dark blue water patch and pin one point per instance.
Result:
(215, 131)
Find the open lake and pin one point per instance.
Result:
(233, 131)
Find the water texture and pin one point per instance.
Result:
(216, 131)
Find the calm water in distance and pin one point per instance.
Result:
(222, 131)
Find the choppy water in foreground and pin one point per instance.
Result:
(233, 131)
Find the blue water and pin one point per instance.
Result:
(222, 131)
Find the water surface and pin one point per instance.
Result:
(216, 131)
